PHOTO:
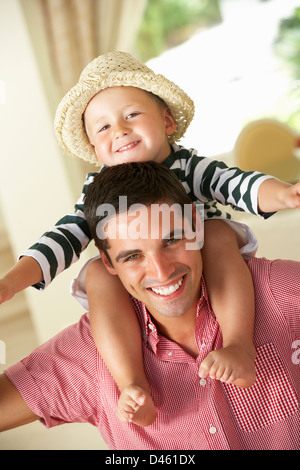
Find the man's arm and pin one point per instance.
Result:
(14, 411)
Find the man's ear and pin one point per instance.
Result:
(107, 263)
(169, 123)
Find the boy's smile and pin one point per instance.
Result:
(126, 124)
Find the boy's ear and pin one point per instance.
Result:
(169, 122)
(107, 263)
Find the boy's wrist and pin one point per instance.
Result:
(272, 195)
(25, 273)
(7, 289)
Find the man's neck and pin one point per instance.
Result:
(181, 330)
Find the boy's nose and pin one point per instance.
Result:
(120, 130)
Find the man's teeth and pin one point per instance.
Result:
(167, 290)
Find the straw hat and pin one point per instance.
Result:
(110, 70)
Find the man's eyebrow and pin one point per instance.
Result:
(176, 233)
(123, 254)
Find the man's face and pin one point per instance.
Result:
(157, 270)
(126, 124)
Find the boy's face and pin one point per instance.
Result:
(126, 124)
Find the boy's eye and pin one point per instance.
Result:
(131, 115)
(103, 128)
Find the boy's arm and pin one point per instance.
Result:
(56, 250)
(61, 246)
(274, 195)
(25, 273)
(212, 180)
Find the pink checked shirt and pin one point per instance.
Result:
(65, 380)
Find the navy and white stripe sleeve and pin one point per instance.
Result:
(62, 245)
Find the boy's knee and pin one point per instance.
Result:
(218, 232)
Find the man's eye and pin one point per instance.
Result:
(175, 239)
(132, 257)
(171, 241)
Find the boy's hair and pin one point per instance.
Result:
(115, 69)
(141, 182)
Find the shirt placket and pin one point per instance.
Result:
(208, 424)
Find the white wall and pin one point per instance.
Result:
(35, 190)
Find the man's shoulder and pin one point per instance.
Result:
(274, 270)
(277, 281)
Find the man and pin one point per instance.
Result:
(65, 380)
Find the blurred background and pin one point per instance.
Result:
(238, 60)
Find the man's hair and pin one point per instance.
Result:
(141, 182)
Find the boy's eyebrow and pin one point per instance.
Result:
(123, 254)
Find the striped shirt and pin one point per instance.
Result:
(207, 181)
(65, 380)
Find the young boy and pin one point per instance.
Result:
(120, 111)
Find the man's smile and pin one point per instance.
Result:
(167, 291)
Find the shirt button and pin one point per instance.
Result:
(203, 382)
(150, 326)
(170, 353)
(212, 429)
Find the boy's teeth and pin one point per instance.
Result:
(127, 146)
(167, 290)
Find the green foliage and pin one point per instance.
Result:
(170, 22)
(287, 45)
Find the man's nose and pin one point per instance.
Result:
(160, 267)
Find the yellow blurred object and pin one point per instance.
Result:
(271, 147)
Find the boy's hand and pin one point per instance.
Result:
(6, 291)
(275, 195)
(26, 272)
(292, 196)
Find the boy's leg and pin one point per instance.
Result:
(14, 411)
(231, 294)
(117, 335)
